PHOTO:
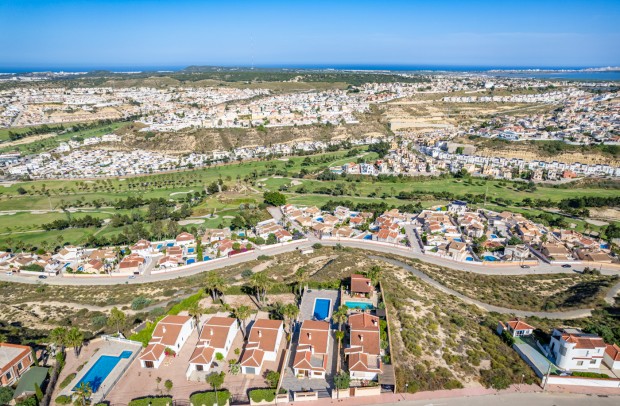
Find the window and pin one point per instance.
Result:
(563, 350)
(593, 361)
(579, 363)
(8, 376)
(20, 366)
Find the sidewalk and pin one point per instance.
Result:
(461, 393)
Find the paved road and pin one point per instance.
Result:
(361, 244)
(518, 399)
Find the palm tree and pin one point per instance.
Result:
(340, 335)
(215, 285)
(216, 380)
(75, 339)
(83, 393)
(290, 312)
(301, 276)
(3, 338)
(58, 337)
(260, 282)
(116, 319)
(195, 311)
(241, 313)
(340, 316)
(374, 274)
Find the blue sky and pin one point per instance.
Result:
(140, 33)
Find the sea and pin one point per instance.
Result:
(551, 73)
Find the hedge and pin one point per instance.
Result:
(153, 401)
(590, 375)
(63, 400)
(65, 382)
(259, 395)
(208, 398)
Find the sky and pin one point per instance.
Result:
(134, 34)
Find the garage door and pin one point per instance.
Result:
(250, 370)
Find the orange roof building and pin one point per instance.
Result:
(262, 345)
(171, 332)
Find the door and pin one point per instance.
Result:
(149, 364)
(250, 370)
(199, 367)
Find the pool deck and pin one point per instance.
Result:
(306, 310)
(111, 347)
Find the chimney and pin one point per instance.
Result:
(374, 322)
(260, 333)
(361, 338)
(211, 331)
(164, 329)
(309, 336)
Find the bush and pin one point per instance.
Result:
(273, 377)
(153, 401)
(63, 400)
(246, 274)
(259, 395)
(6, 394)
(591, 375)
(263, 257)
(65, 382)
(140, 303)
(317, 246)
(208, 398)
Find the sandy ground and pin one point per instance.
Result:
(191, 221)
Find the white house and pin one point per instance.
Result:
(171, 332)
(263, 345)
(574, 349)
(515, 327)
(457, 207)
(184, 239)
(311, 354)
(364, 352)
(612, 356)
(217, 336)
(143, 248)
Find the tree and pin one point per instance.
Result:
(273, 377)
(342, 380)
(215, 380)
(58, 337)
(339, 335)
(83, 393)
(374, 273)
(195, 311)
(6, 395)
(340, 316)
(301, 276)
(290, 312)
(260, 282)
(241, 313)
(75, 339)
(168, 385)
(117, 319)
(274, 198)
(215, 284)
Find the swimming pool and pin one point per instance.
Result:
(490, 258)
(359, 305)
(368, 237)
(190, 250)
(321, 309)
(493, 236)
(170, 244)
(101, 369)
(206, 258)
(190, 261)
(458, 239)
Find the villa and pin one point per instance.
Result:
(515, 327)
(263, 344)
(171, 332)
(185, 239)
(364, 352)
(15, 361)
(311, 355)
(574, 349)
(361, 286)
(216, 337)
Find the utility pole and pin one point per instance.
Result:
(547, 377)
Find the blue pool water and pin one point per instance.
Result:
(206, 258)
(190, 261)
(458, 240)
(319, 219)
(321, 309)
(170, 244)
(241, 234)
(489, 258)
(359, 305)
(469, 259)
(190, 250)
(101, 369)
(604, 246)
(493, 236)
(368, 237)
(159, 246)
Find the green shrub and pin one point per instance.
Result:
(153, 401)
(65, 382)
(208, 398)
(259, 395)
(63, 400)
(140, 303)
(590, 375)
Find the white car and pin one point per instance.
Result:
(10, 273)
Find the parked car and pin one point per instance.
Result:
(566, 266)
(525, 266)
(132, 277)
(10, 273)
(42, 277)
